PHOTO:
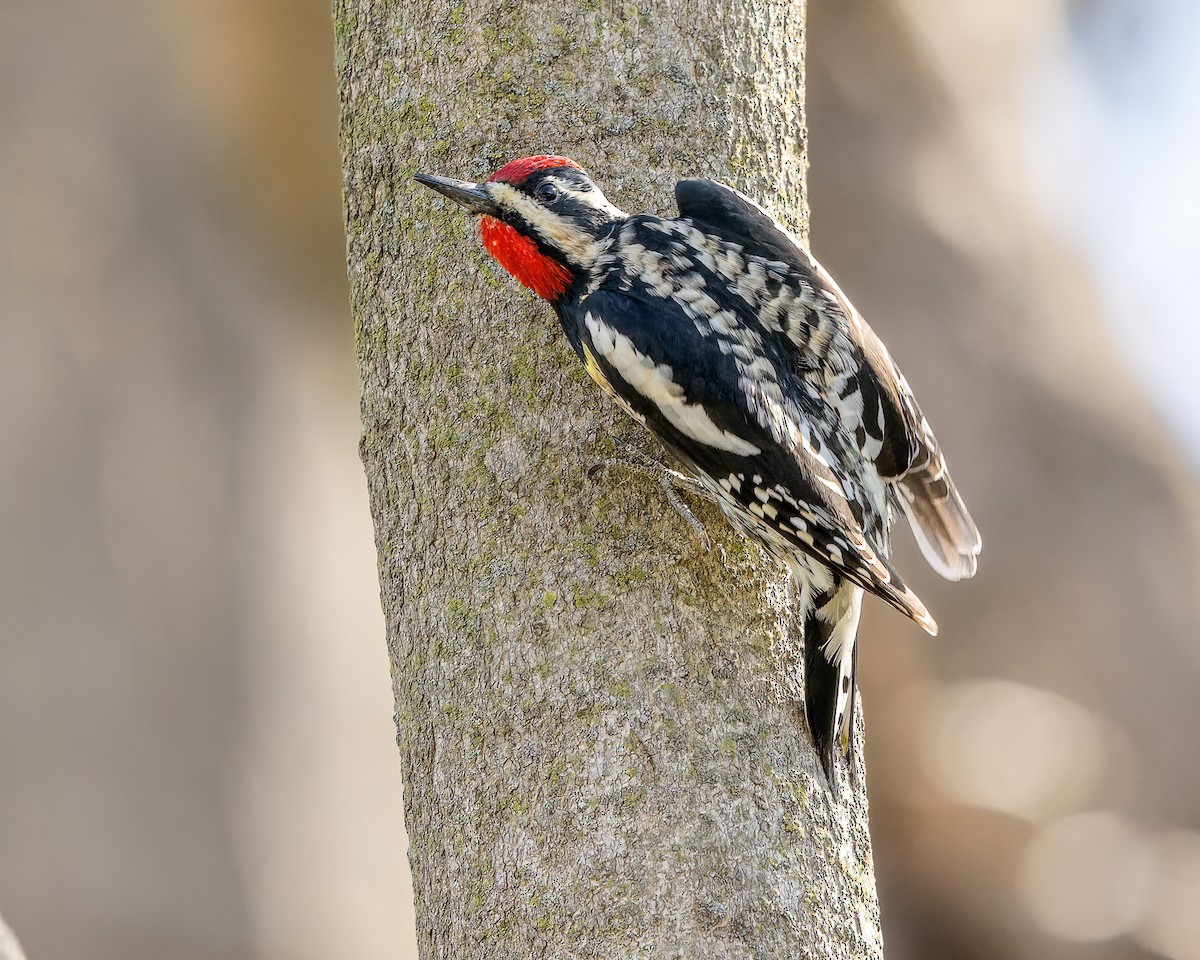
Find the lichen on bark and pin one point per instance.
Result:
(602, 744)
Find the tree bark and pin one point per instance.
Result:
(600, 726)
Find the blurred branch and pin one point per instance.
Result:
(601, 741)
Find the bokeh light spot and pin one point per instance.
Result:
(1086, 877)
(1171, 925)
(1006, 746)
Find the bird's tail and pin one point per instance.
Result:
(830, 661)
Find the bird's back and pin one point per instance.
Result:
(673, 328)
(781, 351)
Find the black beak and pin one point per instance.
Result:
(473, 196)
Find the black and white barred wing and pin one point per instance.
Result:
(750, 447)
(873, 399)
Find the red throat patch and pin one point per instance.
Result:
(521, 257)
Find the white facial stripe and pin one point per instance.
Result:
(593, 198)
(653, 381)
(555, 230)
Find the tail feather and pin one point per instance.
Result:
(830, 662)
(940, 522)
(896, 592)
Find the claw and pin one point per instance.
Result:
(667, 481)
(670, 481)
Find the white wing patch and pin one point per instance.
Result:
(654, 382)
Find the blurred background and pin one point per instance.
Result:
(196, 755)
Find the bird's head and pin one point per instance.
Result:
(541, 217)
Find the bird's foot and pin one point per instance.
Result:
(671, 481)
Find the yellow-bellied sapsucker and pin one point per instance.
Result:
(725, 338)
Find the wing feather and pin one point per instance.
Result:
(750, 450)
(903, 448)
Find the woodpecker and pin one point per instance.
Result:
(719, 332)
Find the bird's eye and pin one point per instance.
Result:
(546, 192)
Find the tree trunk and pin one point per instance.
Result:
(600, 726)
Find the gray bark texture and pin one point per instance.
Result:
(600, 725)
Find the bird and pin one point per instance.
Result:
(720, 333)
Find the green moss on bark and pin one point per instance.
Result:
(597, 721)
